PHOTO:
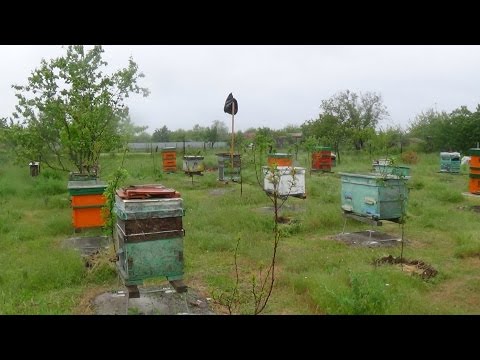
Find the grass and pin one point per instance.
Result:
(316, 274)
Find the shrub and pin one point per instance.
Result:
(409, 157)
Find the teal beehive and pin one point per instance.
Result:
(149, 232)
(450, 162)
(380, 197)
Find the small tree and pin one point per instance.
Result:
(309, 146)
(262, 285)
(161, 135)
(70, 111)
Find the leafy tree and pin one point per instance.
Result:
(433, 128)
(217, 132)
(466, 128)
(389, 139)
(241, 142)
(143, 137)
(198, 133)
(264, 140)
(211, 135)
(179, 135)
(70, 110)
(440, 131)
(357, 114)
(161, 135)
(3, 126)
(329, 131)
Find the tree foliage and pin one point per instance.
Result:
(357, 115)
(346, 118)
(389, 140)
(143, 137)
(328, 130)
(218, 131)
(440, 131)
(70, 110)
(161, 135)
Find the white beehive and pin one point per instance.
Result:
(291, 181)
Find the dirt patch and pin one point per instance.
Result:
(99, 257)
(85, 306)
(152, 301)
(284, 220)
(474, 208)
(369, 238)
(417, 267)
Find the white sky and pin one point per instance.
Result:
(275, 86)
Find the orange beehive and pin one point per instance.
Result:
(87, 211)
(474, 170)
(87, 203)
(279, 159)
(169, 159)
(474, 184)
(475, 160)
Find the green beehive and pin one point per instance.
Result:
(142, 260)
(86, 187)
(374, 196)
(150, 235)
(450, 162)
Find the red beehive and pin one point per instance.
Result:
(322, 159)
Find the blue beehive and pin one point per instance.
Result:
(450, 162)
(374, 196)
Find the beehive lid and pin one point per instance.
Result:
(86, 187)
(382, 162)
(474, 151)
(147, 192)
(226, 155)
(374, 176)
(320, 148)
(193, 157)
(73, 176)
(280, 155)
(169, 149)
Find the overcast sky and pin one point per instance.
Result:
(275, 86)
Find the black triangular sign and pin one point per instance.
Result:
(228, 105)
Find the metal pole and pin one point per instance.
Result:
(233, 135)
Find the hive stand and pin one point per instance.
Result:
(370, 221)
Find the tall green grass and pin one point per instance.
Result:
(316, 274)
